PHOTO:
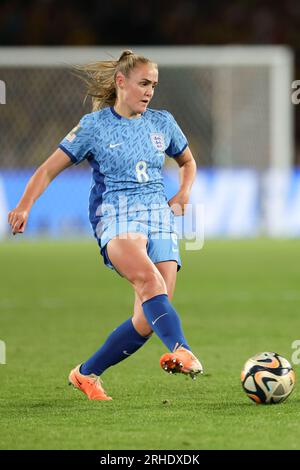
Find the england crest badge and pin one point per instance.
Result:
(158, 141)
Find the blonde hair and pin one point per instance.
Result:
(100, 76)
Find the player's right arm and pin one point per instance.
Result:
(57, 162)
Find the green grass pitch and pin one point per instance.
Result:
(58, 303)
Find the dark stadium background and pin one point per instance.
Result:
(121, 22)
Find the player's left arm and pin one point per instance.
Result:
(187, 174)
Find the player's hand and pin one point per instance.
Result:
(17, 219)
(178, 202)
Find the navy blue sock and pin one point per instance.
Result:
(164, 321)
(120, 344)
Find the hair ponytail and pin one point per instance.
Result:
(125, 54)
(99, 77)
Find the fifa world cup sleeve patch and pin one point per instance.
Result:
(73, 133)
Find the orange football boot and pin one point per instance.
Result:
(181, 360)
(88, 384)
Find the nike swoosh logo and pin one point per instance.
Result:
(127, 354)
(112, 146)
(153, 323)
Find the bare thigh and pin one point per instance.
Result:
(168, 270)
(129, 257)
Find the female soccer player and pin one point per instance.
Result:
(125, 142)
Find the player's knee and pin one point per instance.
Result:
(154, 281)
(149, 283)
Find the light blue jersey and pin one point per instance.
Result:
(126, 156)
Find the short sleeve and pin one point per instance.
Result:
(178, 141)
(79, 143)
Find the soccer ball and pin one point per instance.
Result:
(268, 378)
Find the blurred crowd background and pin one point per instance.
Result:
(159, 22)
